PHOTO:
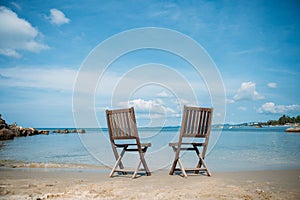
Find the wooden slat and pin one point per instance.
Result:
(196, 122)
(195, 169)
(125, 124)
(127, 118)
(206, 122)
(199, 123)
(128, 170)
(192, 121)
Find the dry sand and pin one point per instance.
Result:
(25, 183)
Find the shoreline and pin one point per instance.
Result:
(18, 164)
(32, 183)
(41, 165)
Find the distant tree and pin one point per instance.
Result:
(283, 120)
(297, 119)
(272, 122)
(286, 119)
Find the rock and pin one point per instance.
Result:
(293, 129)
(62, 131)
(6, 134)
(69, 131)
(3, 124)
(81, 131)
(13, 130)
(44, 132)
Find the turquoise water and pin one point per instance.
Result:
(237, 149)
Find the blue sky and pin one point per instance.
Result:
(255, 46)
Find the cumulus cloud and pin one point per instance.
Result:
(153, 106)
(17, 34)
(57, 17)
(247, 91)
(272, 85)
(271, 108)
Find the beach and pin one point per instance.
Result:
(59, 183)
(246, 163)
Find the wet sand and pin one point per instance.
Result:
(47, 183)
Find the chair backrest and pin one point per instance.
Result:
(196, 122)
(121, 124)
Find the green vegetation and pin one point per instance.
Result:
(283, 120)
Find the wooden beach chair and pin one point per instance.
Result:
(195, 126)
(122, 127)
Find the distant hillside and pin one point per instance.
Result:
(284, 119)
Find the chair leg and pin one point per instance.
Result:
(182, 168)
(174, 162)
(142, 158)
(204, 165)
(115, 151)
(136, 170)
(177, 160)
(199, 162)
(173, 167)
(117, 162)
(198, 166)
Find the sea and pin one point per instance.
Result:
(230, 149)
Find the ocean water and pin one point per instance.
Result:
(236, 149)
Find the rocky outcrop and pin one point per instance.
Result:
(3, 123)
(66, 131)
(8, 132)
(295, 129)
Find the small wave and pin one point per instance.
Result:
(21, 164)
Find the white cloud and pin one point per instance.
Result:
(17, 34)
(10, 53)
(16, 5)
(242, 108)
(151, 106)
(57, 17)
(163, 94)
(165, 10)
(272, 85)
(229, 101)
(55, 78)
(271, 108)
(249, 51)
(247, 91)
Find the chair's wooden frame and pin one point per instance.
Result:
(196, 123)
(121, 125)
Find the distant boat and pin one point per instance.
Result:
(293, 129)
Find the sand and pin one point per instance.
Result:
(47, 183)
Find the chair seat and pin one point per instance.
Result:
(175, 144)
(127, 147)
(142, 145)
